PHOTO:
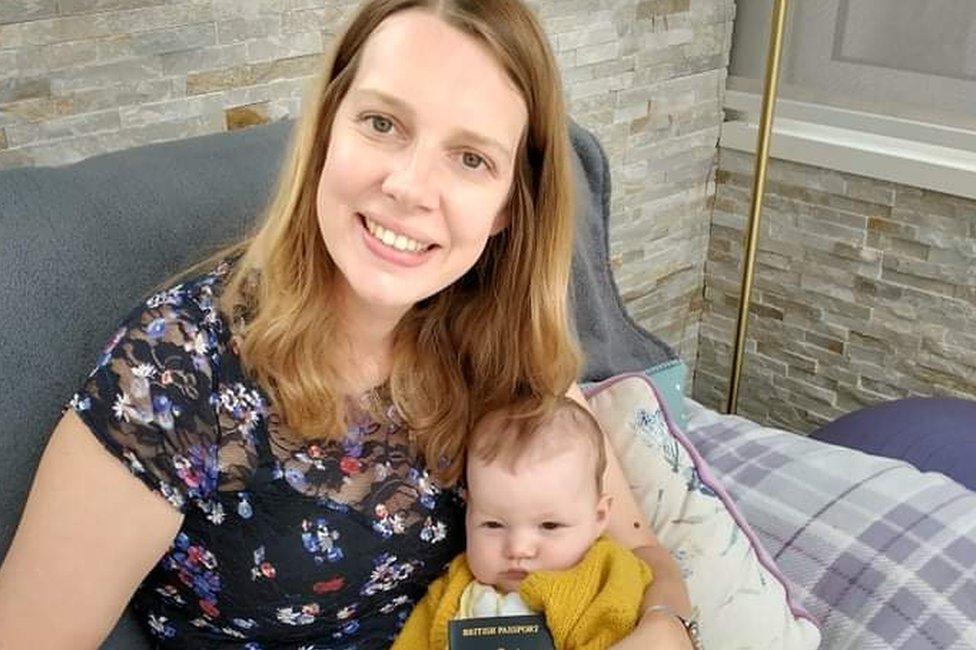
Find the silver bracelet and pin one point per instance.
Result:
(689, 624)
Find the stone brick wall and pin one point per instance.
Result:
(864, 291)
(82, 77)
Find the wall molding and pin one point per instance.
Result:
(899, 150)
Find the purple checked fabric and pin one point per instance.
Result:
(883, 555)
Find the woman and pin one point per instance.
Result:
(298, 411)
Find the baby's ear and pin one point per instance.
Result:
(603, 512)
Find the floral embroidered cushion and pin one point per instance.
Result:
(740, 598)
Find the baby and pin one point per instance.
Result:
(535, 519)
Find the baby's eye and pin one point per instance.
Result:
(491, 524)
(380, 124)
(551, 525)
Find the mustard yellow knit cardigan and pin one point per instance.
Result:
(589, 607)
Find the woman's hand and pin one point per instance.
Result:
(656, 631)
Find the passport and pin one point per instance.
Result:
(500, 633)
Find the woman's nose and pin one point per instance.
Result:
(411, 179)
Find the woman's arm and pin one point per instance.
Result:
(89, 534)
(630, 528)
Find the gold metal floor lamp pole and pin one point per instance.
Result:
(759, 184)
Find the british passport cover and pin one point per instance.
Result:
(500, 633)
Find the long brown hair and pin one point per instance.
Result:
(497, 335)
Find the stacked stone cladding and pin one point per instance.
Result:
(864, 291)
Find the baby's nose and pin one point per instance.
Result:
(520, 546)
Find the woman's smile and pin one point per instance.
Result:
(392, 246)
(393, 238)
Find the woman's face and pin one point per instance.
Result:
(419, 164)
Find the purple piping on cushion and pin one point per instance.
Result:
(709, 479)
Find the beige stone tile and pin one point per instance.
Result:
(17, 11)
(652, 8)
(242, 117)
(252, 74)
(17, 89)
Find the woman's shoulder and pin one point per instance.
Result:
(186, 307)
(194, 297)
(180, 319)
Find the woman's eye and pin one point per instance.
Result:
(381, 124)
(472, 160)
(551, 525)
(491, 524)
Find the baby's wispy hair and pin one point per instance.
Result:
(508, 433)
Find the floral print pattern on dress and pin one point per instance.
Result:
(325, 543)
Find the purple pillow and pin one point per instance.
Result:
(933, 434)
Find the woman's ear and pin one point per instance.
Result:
(501, 221)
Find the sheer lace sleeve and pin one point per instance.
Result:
(148, 399)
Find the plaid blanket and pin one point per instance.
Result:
(882, 554)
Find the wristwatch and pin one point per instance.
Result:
(690, 624)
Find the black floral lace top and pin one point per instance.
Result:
(285, 543)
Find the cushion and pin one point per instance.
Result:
(883, 555)
(740, 598)
(669, 380)
(933, 434)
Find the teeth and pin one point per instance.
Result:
(394, 240)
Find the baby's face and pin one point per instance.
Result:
(543, 516)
